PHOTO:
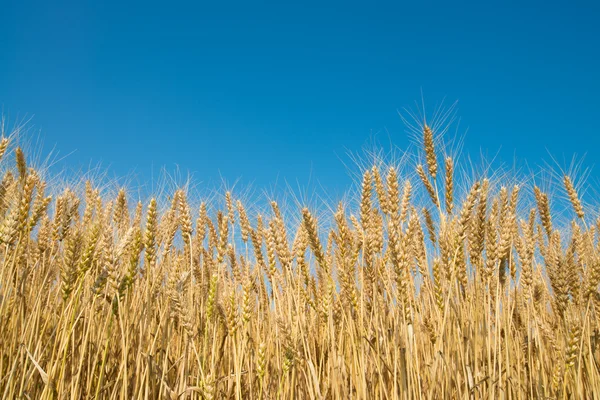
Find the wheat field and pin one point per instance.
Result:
(426, 284)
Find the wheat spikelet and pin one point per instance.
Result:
(310, 224)
(544, 210)
(244, 221)
(449, 181)
(575, 202)
(21, 163)
(382, 194)
(429, 150)
(3, 146)
(150, 235)
(428, 185)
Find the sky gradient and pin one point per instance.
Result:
(268, 92)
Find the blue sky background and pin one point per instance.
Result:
(269, 92)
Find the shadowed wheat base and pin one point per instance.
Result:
(442, 300)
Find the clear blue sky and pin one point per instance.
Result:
(265, 90)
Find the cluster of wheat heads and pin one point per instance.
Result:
(468, 295)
